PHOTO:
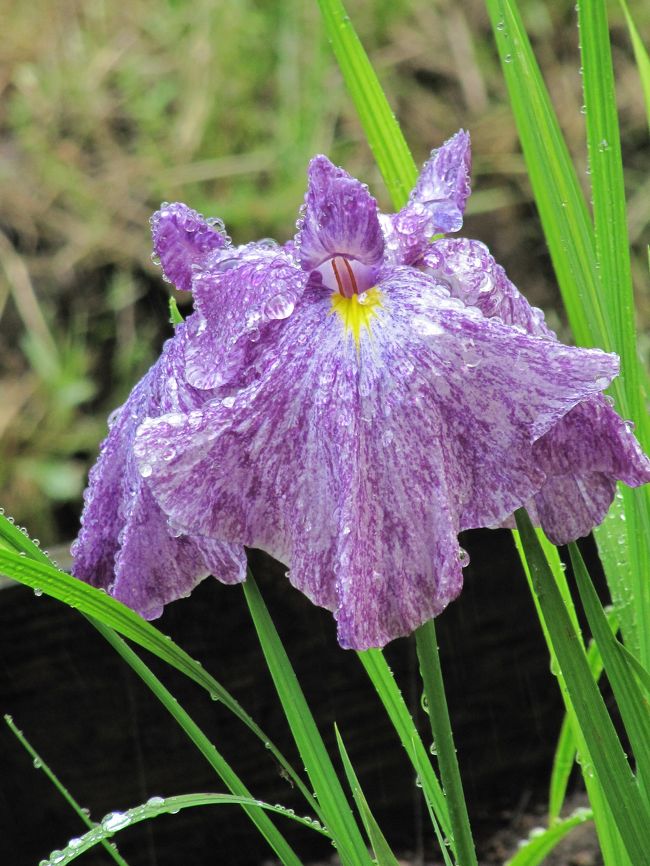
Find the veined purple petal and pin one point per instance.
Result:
(437, 203)
(340, 219)
(182, 238)
(588, 450)
(125, 544)
(467, 268)
(357, 461)
(583, 456)
(237, 296)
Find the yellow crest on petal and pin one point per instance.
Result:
(358, 311)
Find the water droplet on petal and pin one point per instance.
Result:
(463, 557)
(145, 470)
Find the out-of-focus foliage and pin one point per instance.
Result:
(107, 109)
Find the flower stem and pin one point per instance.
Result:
(431, 672)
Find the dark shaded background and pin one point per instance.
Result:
(114, 746)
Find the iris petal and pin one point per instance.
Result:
(340, 218)
(125, 544)
(357, 465)
(182, 238)
(436, 204)
(237, 296)
(588, 450)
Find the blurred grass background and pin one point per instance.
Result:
(106, 109)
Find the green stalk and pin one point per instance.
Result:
(610, 766)
(216, 760)
(434, 690)
(111, 849)
(332, 801)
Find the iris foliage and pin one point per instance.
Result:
(589, 248)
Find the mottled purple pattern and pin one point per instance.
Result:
(588, 450)
(359, 466)
(237, 295)
(340, 218)
(437, 204)
(182, 238)
(125, 544)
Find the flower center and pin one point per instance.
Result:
(358, 311)
(346, 276)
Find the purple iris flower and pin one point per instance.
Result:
(372, 395)
(126, 544)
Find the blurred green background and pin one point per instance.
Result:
(108, 108)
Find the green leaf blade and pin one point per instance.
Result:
(380, 126)
(609, 763)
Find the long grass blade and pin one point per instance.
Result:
(629, 699)
(615, 277)
(110, 849)
(333, 803)
(611, 844)
(640, 55)
(561, 205)
(382, 679)
(610, 766)
(565, 751)
(216, 760)
(577, 260)
(540, 844)
(384, 135)
(383, 853)
(429, 659)
(117, 821)
(31, 566)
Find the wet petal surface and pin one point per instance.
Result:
(182, 239)
(437, 203)
(588, 450)
(357, 462)
(340, 219)
(237, 296)
(125, 544)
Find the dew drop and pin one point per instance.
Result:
(507, 58)
(145, 470)
(155, 801)
(463, 557)
(115, 821)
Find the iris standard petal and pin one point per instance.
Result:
(467, 268)
(358, 455)
(182, 239)
(125, 544)
(436, 204)
(340, 218)
(237, 295)
(589, 449)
